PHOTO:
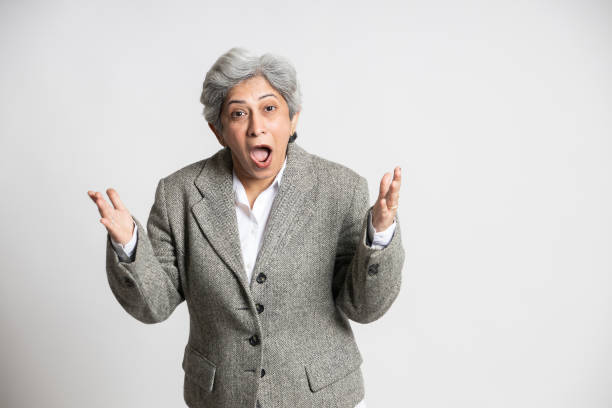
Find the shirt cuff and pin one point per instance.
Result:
(379, 239)
(125, 252)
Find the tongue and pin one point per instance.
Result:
(260, 154)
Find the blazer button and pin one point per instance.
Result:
(373, 269)
(259, 307)
(261, 278)
(263, 372)
(128, 282)
(254, 340)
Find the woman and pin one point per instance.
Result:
(273, 249)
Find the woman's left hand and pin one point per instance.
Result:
(383, 212)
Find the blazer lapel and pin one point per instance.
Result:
(216, 211)
(292, 207)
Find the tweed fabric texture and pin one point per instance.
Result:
(313, 273)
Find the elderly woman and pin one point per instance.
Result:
(273, 249)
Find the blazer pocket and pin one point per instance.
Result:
(198, 368)
(332, 366)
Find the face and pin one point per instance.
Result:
(255, 120)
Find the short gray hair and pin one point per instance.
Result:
(237, 65)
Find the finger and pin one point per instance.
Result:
(92, 195)
(106, 210)
(98, 200)
(392, 197)
(397, 174)
(384, 186)
(114, 197)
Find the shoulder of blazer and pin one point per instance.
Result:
(181, 180)
(335, 173)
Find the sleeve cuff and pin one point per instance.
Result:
(379, 239)
(125, 252)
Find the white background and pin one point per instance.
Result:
(497, 112)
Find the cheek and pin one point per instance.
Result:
(233, 139)
(280, 127)
(237, 126)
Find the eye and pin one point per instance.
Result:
(237, 114)
(270, 106)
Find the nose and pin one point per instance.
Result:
(256, 124)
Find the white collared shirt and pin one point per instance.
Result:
(252, 222)
(251, 225)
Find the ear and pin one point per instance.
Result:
(217, 134)
(294, 122)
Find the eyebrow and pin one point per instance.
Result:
(241, 101)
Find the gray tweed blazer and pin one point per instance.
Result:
(284, 338)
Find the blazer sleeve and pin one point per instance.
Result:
(366, 280)
(148, 287)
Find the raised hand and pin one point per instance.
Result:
(118, 221)
(386, 205)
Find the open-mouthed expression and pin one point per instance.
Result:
(256, 127)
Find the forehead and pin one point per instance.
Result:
(252, 88)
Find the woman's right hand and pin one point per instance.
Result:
(118, 221)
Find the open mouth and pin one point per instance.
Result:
(261, 155)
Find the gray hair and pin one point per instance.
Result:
(237, 65)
